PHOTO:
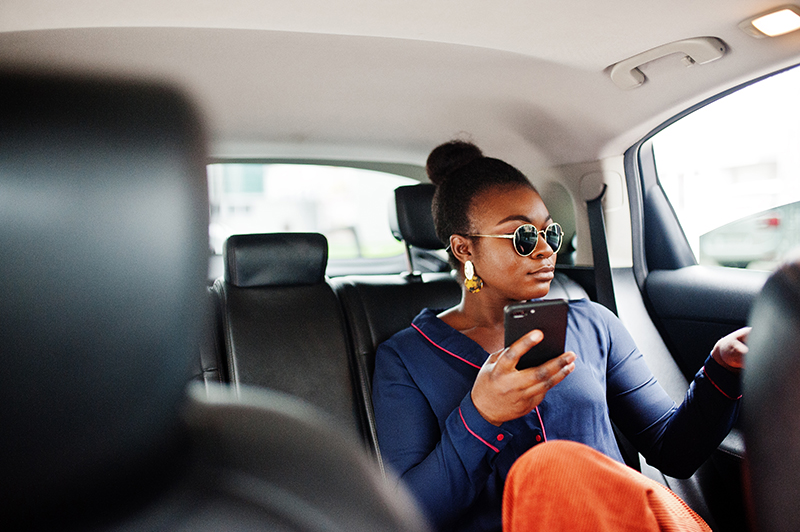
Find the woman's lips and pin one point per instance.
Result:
(543, 274)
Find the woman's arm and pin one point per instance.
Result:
(675, 439)
(439, 440)
(444, 468)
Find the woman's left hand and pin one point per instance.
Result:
(729, 350)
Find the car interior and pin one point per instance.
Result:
(165, 371)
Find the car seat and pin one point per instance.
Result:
(282, 325)
(772, 402)
(103, 227)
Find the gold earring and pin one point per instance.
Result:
(472, 281)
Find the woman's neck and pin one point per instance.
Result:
(478, 318)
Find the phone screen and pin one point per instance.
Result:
(549, 316)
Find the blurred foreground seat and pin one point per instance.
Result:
(103, 231)
(772, 403)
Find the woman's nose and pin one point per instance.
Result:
(542, 249)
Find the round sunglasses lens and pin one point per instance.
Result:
(553, 235)
(525, 238)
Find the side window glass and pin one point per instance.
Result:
(731, 171)
(348, 205)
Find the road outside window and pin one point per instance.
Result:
(732, 173)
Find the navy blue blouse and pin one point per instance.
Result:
(455, 462)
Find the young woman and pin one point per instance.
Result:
(453, 413)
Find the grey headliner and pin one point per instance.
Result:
(365, 80)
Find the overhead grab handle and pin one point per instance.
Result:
(626, 73)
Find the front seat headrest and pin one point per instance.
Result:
(103, 227)
(275, 259)
(411, 219)
(772, 402)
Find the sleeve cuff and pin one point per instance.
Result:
(495, 438)
(726, 382)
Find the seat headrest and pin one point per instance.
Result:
(771, 412)
(275, 259)
(411, 219)
(104, 232)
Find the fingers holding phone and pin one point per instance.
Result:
(502, 392)
(543, 378)
(534, 382)
(549, 316)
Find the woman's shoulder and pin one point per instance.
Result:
(426, 322)
(586, 315)
(413, 346)
(590, 318)
(586, 309)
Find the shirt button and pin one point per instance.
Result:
(538, 437)
(500, 437)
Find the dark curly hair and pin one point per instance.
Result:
(461, 172)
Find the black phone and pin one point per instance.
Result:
(549, 316)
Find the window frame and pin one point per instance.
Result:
(649, 203)
(336, 267)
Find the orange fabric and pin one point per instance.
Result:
(564, 485)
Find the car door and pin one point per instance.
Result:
(713, 198)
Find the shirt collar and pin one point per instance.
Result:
(447, 339)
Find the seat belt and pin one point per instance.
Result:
(604, 287)
(603, 282)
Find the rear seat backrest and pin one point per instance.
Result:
(378, 306)
(210, 365)
(282, 325)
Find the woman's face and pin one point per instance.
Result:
(505, 273)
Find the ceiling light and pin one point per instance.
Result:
(776, 22)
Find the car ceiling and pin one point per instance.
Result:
(386, 81)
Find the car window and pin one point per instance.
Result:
(347, 205)
(731, 171)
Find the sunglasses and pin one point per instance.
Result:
(526, 238)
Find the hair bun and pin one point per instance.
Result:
(448, 157)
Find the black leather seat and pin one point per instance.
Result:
(103, 227)
(210, 367)
(378, 306)
(283, 327)
(771, 408)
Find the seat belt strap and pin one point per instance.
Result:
(604, 284)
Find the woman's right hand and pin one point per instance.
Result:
(502, 393)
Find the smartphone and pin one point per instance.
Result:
(549, 316)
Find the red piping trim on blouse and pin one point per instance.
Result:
(495, 449)
(445, 350)
(718, 388)
(544, 433)
(486, 443)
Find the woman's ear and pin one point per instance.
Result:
(461, 247)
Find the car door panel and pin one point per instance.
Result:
(691, 307)
(695, 306)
